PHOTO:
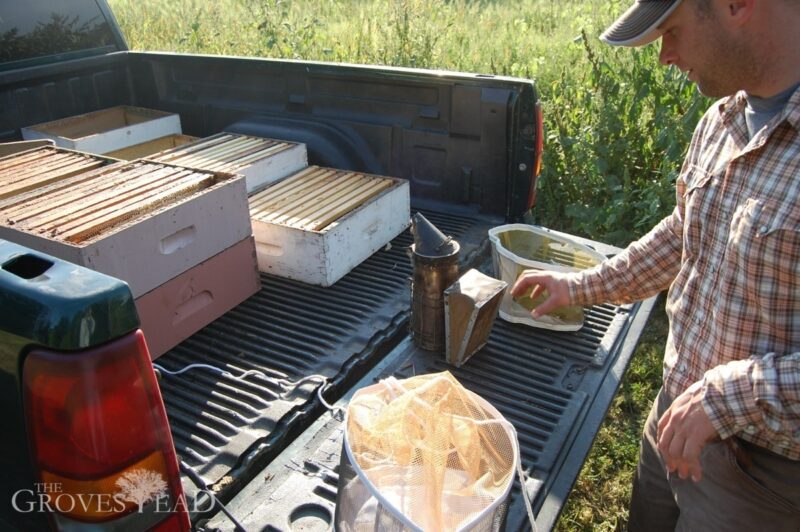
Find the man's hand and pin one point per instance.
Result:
(683, 431)
(555, 284)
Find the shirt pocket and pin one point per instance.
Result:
(764, 247)
(698, 204)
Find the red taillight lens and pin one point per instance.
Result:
(538, 154)
(97, 427)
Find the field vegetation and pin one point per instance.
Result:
(617, 126)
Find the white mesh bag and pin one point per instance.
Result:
(424, 453)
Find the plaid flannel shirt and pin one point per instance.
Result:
(730, 255)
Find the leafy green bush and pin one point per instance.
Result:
(616, 135)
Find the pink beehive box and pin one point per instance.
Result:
(172, 312)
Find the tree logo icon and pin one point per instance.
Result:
(141, 486)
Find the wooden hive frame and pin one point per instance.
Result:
(316, 197)
(261, 160)
(78, 209)
(150, 147)
(33, 169)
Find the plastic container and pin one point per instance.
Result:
(520, 247)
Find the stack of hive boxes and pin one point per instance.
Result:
(180, 237)
(175, 223)
(168, 231)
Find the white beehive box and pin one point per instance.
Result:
(261, 161)
(106, 130)
(320, 223)
(143, 222)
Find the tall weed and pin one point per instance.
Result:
(282, 31)
(413, 33)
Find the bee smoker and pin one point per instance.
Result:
(434, 258)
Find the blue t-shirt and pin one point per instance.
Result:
(759, 111)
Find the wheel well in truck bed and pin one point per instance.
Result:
(327, 145)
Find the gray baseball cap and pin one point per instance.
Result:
(639, 24)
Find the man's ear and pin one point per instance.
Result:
(739, 11)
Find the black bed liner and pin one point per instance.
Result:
(224, 427)
(556, 403)
(554, 387)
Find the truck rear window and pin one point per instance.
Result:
(31, 29)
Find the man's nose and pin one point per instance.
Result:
(667, 55)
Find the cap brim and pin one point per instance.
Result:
(639, 24)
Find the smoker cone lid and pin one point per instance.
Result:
(429, 241)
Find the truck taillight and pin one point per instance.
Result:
(538, 154)
(99, 435)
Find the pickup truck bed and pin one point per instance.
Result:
(289, 330)
(555, 387)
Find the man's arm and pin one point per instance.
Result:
(644, 268)
(755, 395)
(759, 393)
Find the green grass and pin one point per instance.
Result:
(600, 497)
(616, 123)
(513, 38)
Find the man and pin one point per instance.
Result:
(721, 448)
